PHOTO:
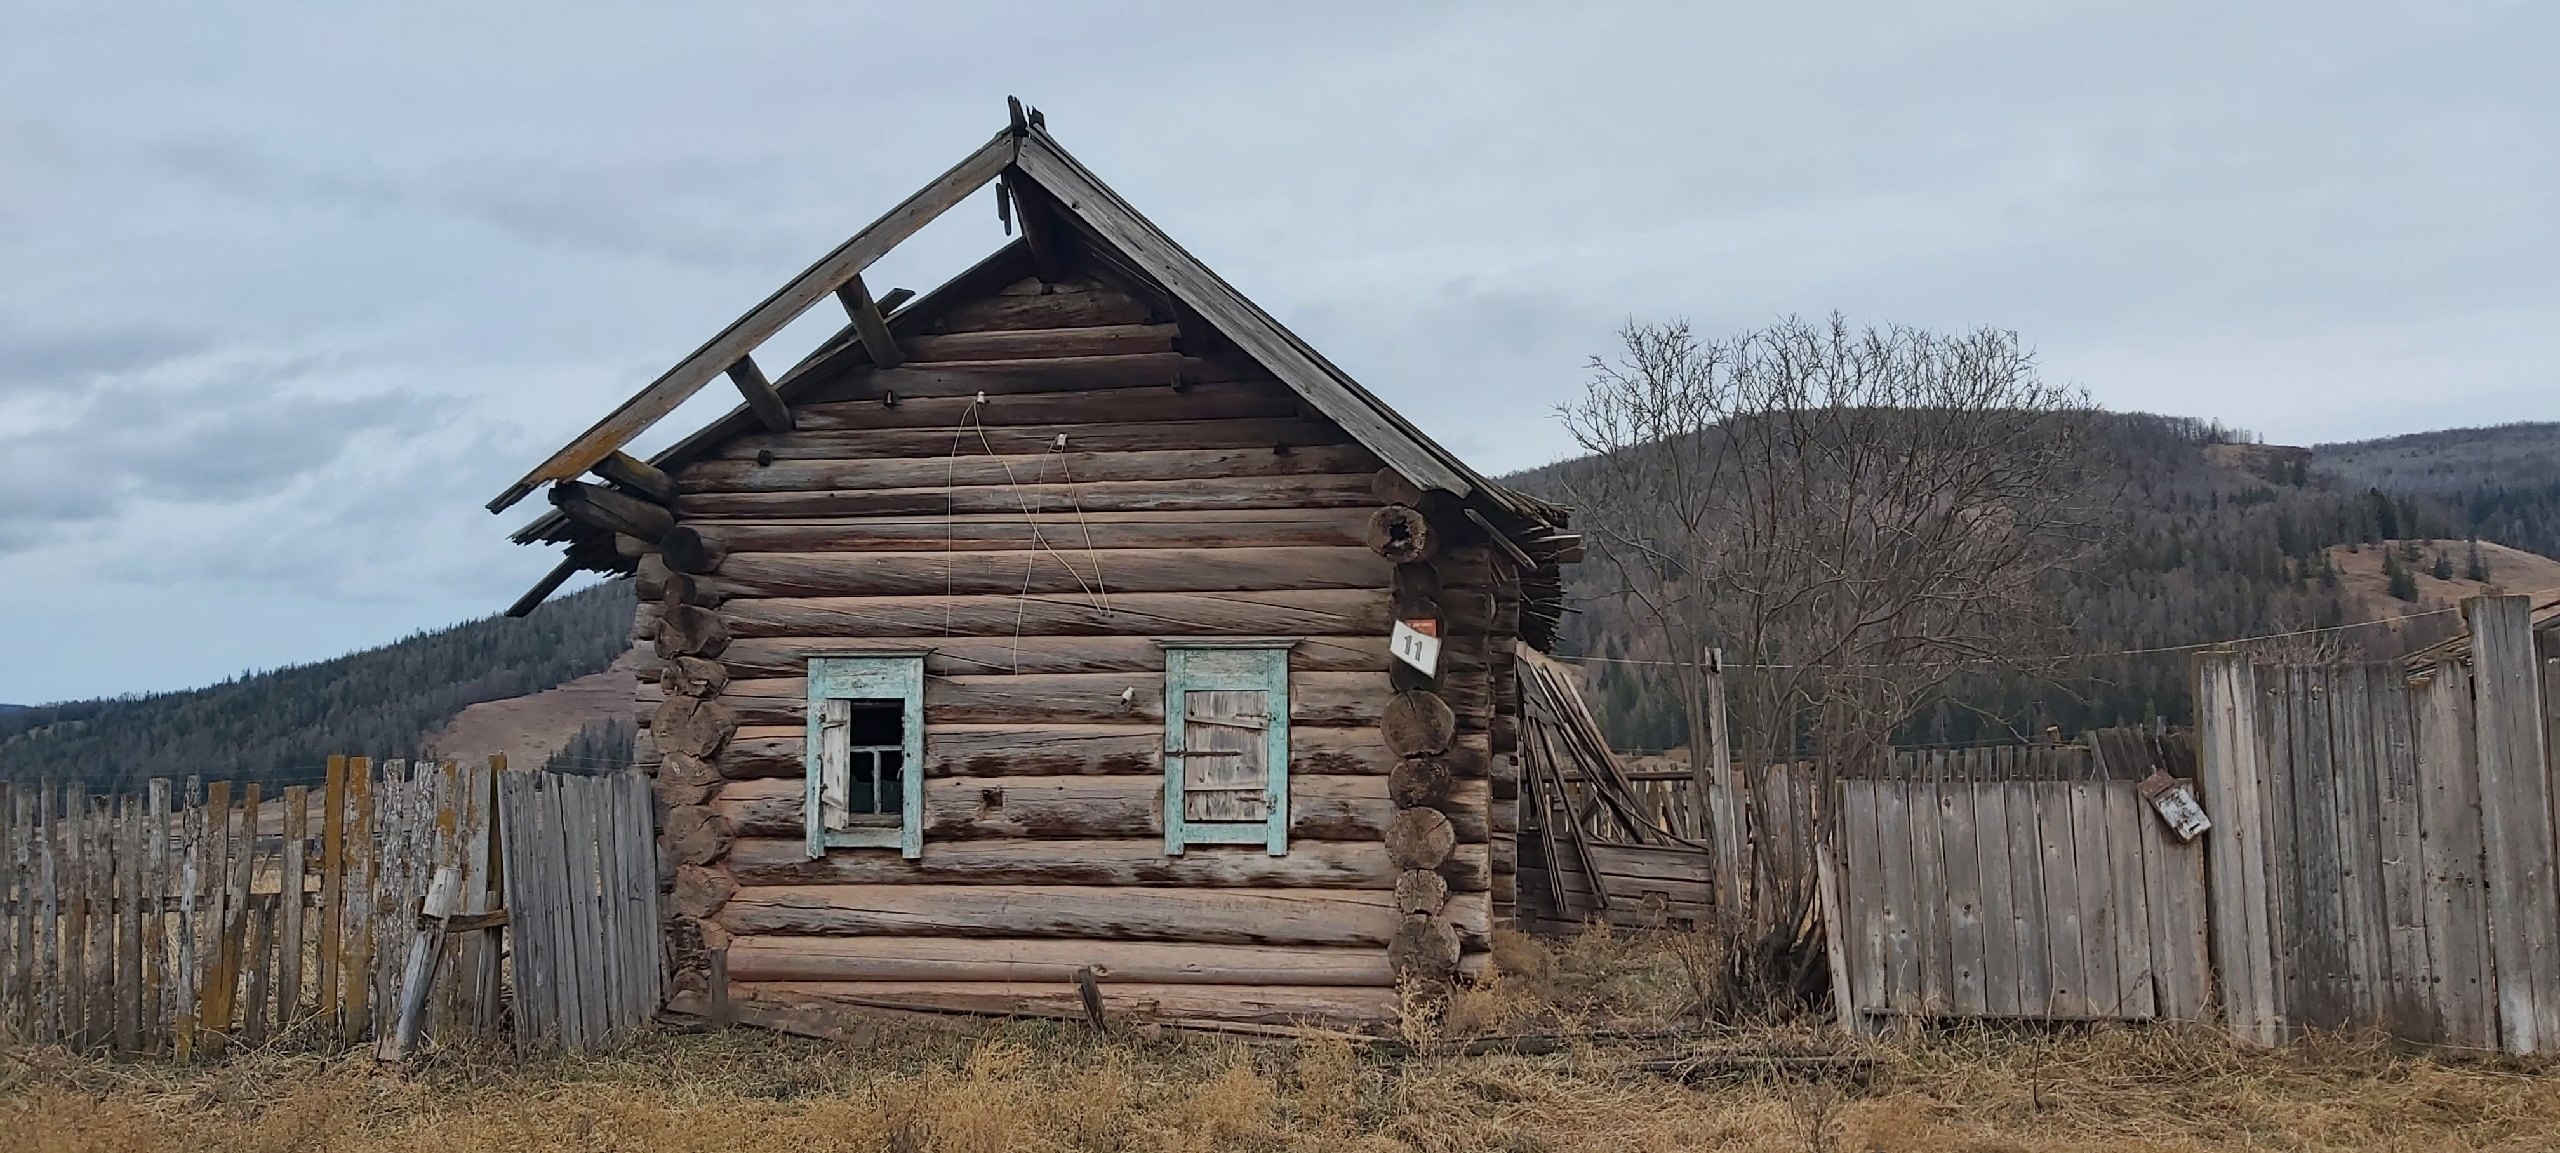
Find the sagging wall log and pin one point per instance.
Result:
(1191, 497)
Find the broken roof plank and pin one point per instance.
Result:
(1333, 393)
(747, 332)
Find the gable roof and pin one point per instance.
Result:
(1040, 177)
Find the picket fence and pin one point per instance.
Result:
(190, 920)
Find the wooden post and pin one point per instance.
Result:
(1712, 767)
(355, 973)
(333, 893)
(297, 833)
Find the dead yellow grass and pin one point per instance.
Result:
(1000, 1087)
(1027, 1086)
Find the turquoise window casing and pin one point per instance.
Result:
(1226, 743)
(871, 679)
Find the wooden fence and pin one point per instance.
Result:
(2383, 850)
(189, 921)
(582, 897)
(1966, 895)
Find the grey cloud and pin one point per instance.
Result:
(242, 434)
(56, 360)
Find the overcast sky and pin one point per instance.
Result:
(290, 290)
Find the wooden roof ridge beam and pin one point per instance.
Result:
(1040, 228)
(869, 325)
(761, 398)
(745, 334)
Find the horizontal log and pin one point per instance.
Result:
(764, 861)
(1310, 612)
(1214, 916)
(1014, 750)
(1212, 494)
(1063, 567)
(1044, 343)
(1132, 805)
(1055, 750)
(957, 656)
(1237, 528)
(758, 958)
(1065, 309)
(1065, 698)
(1328, 1005)
(1004, 378)
(1295, 432)
(969, 466)
(1087, 405)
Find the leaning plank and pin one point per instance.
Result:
(426, 947)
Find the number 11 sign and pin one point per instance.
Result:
(1417, 643)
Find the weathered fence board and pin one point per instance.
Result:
(581, 886)
(190, 920)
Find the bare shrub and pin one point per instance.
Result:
(1852, 517)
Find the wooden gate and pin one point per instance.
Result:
(2383, 847)
(582, 894)
(1967, 895)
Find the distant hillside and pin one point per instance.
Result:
(282, 724)
(2503, 481)
(2219, 539)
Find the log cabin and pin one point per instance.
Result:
(1029, 642)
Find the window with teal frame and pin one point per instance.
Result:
(866, 753)
(1226, 743)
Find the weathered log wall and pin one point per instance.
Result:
(1051, 481)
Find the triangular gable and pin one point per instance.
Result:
(1036, 171)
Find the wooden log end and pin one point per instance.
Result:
(699, 677)
(699, 892)
(1424, 949)
(1401, 534)
(1420, 839)
(1421, 891)
(1418, 723)
(687, 550)
(1419, 781)
(697, 836)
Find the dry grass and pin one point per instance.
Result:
(984, 1088)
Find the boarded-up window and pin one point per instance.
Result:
(866, 752)
(1226, 761)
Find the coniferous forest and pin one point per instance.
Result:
(282, 724)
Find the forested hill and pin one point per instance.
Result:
(281, 725)
(2505, 479)
(2220, 539)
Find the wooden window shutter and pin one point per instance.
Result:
(865, 755)
(1226, 744)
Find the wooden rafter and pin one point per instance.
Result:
(869, 326)
(758, 392)
(1040, 229)
(760, 323)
